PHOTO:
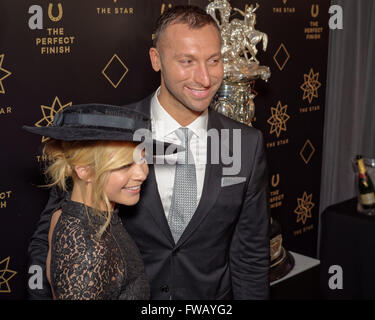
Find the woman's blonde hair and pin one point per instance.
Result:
(100, 157)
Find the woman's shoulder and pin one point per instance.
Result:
(72, 230)
(75, 241)
(74, 217)
(67, 223)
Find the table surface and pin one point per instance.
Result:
(302, 263)
(349, 208)
(348, 241)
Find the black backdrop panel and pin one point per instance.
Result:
(97, 51)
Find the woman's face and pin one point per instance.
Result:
(124, 184)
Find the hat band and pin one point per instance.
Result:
(97, 120)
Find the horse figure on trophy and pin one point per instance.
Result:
(224, 10)
(252, 36)
(239, 40)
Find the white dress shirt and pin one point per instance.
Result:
(163, 129)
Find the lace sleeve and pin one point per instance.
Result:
(79, 266)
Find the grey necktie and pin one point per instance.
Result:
(184, 197)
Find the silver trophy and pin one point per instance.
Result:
(234, 98)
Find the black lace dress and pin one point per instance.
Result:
(83, 267)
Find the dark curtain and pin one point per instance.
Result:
(350, 108)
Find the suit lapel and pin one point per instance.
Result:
(211, 184)
(151, 201)
(150, 197)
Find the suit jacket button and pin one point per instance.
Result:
(164, 288)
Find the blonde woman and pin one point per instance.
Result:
(91, 256)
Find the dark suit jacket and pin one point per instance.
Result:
(223, 252)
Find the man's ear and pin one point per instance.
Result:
(155, 59)
(84, 173)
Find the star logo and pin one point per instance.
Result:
(303, 210)
(49, 114)
(3, 73)
(278, 119)
(5, 276)
(310, 86)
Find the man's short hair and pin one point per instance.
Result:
(192, 16)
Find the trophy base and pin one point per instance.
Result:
(281, 261)
(282, 266)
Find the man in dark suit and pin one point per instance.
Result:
(201, 227)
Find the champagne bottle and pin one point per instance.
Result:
(365, 185)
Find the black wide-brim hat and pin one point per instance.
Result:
(87, 122)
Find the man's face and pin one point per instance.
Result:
(191, 67)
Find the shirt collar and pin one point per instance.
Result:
(163, 124)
